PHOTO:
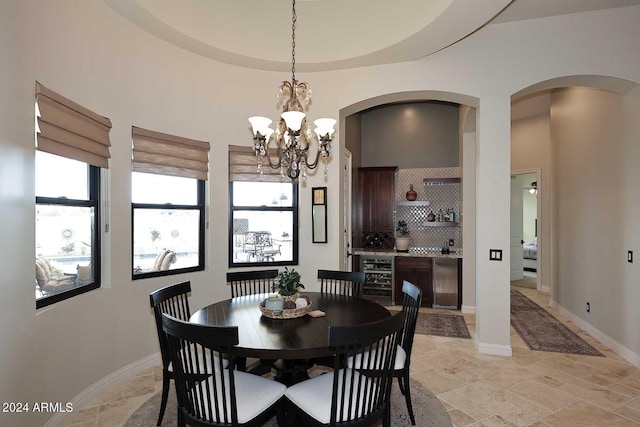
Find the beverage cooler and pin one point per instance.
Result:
(378, 285)
(445, 283)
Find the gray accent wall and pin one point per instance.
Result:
(410, 135)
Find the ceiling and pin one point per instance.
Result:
(330, 34)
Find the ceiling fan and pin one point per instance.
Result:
(533, 189)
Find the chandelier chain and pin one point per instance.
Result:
(293, 135)
(294, 18)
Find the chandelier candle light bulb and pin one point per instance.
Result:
(293, 135)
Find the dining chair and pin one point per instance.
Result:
(345, 395)
(208, 394)
(411, 300)
(170, 300)
(338, 283)
(341, 282)
(251, 282)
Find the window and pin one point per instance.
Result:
(67, 228)
(168, 224)
(263, 219)
(72, 147)
(168, 211)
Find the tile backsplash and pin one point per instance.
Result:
(440, 196)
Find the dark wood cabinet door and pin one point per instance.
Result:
(425, 282)
(377, 193)
(367, 198)
(385, 200)
(356, 263)
(374, 206)
(418, 271)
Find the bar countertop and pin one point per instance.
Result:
(412, 252)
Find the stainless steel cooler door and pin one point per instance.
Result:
(445, 282)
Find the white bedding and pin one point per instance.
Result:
(530, 251)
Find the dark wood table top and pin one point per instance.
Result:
(301, 338)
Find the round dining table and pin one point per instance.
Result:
(297, 339)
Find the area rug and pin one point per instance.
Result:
(441, 325)
(541, 331)
(427, 409)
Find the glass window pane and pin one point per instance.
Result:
(270, 194)
(64, 238)
(155, 189)
(61, 177)
(262, 236)
(158, 230)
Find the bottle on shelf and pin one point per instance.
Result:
(452, 215)
(439, 217)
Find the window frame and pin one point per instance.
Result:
(199, 206)
(94, 201)
(294, 208)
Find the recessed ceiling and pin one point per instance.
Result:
(330, 34)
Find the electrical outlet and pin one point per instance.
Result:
(450, 242)
(588, 307)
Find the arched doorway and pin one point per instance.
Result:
(580, 132)
(349, 127)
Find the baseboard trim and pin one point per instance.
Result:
(495, 349)
(620, 349)
(95, 389)
(468, 309)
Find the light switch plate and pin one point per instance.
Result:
(630, 256)
(495, 254)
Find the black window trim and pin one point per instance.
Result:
(293, 208)
(199, 206)
(93, 173)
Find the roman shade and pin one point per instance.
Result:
(67, 129)
(243, 165)
(160, 153)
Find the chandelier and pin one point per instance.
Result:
(293, 135)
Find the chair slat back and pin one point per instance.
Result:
(364, 392)
(411, 301)
(205, 389)
(174, 301)
(341, 282)
(251, 282)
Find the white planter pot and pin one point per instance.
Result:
(402, 243)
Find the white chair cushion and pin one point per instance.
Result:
(254, 394)
(313, 396)
(401, 358)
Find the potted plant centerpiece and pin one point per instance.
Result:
(287, 284)
(402, 238)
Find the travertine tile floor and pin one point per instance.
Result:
(532, 388)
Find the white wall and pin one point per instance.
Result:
(85, 51)
(595, 136)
